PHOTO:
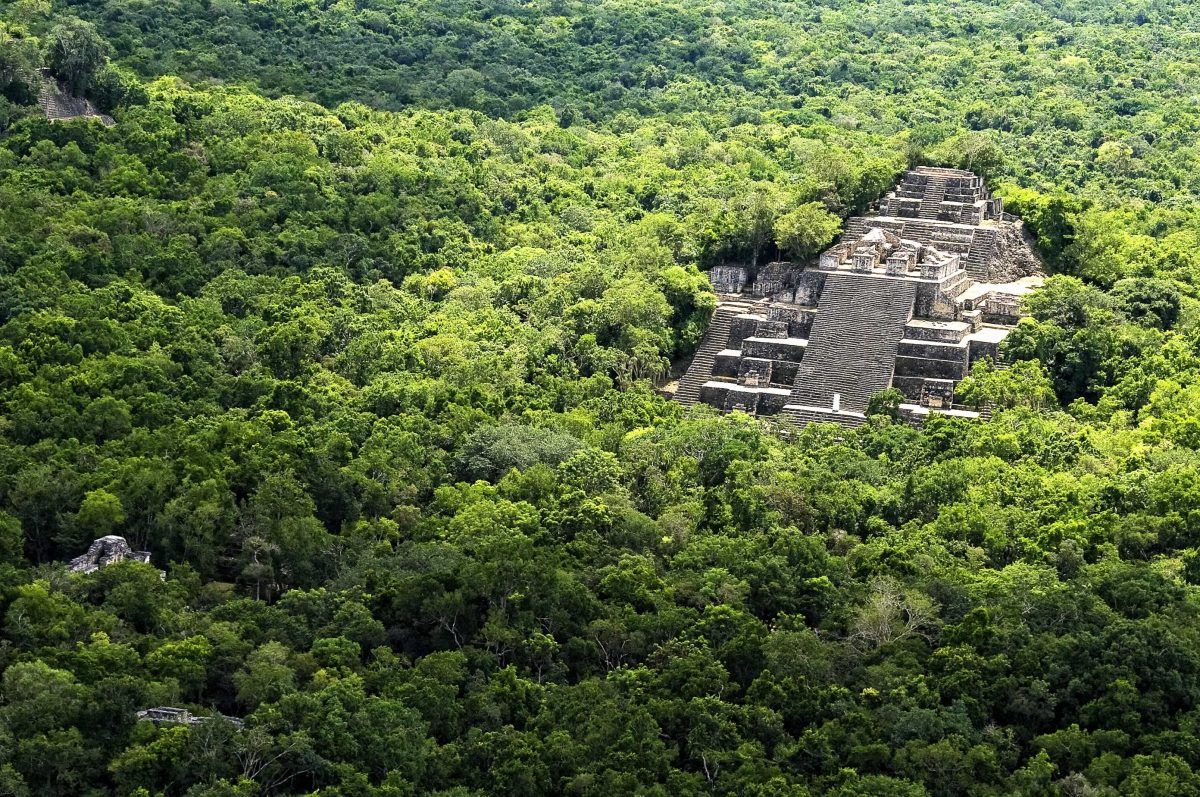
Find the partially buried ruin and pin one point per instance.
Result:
(106, 551)
(60, 105)
(170, 715)
(109, 550)
(909, 298)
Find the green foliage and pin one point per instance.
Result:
(491, 452)
(886, 403)
(1024, 384)
(113, 87)
(805, 231)
(19, 63)
(975, 152)
(1149, 301)
(75, 53)
(1051, 218)
(374, 380)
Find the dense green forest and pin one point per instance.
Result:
(354, 319)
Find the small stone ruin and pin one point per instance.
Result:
(909, 298)
(104, 552)
(60, 105)
(169, 715)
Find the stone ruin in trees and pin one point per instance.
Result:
(107, 551)
(60, 105)
(169, 715)
(909, 298)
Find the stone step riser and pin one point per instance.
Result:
(716, 338)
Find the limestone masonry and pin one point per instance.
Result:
(909, 298)
(60, 105)
(170, 715)
(106, 551)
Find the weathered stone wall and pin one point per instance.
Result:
(771, 328)
(726, 366)
(950, 331)
(784, 373)
(929, 368)
(754, 372)
(934, 351)
(910, 386)
(808, 288)
(1001, 319)
(740, 328)
(980, 349)
(774, 279)
(1016, 256)
(741, 401)
(799, 320)
(937, 393)
(772, 349)
(771, 403)
(728, 279)
(926, 296)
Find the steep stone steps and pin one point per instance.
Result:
(983, 246)
(716, 339)
(802, 416)
(852, 348)
(59, 106)
(931, 203)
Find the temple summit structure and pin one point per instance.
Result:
(909, 298)
(106, 551)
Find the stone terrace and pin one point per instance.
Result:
(900, 301)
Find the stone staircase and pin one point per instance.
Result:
(922, 231)
(858, 226)
(802, 416)
(931, 203)
(716, 339)
(983, 245)
(59, 106)
(852, 348)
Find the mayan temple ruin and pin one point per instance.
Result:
(909, 298)
(106, 551)
(59, 105)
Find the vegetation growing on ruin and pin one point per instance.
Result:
(373, 380)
